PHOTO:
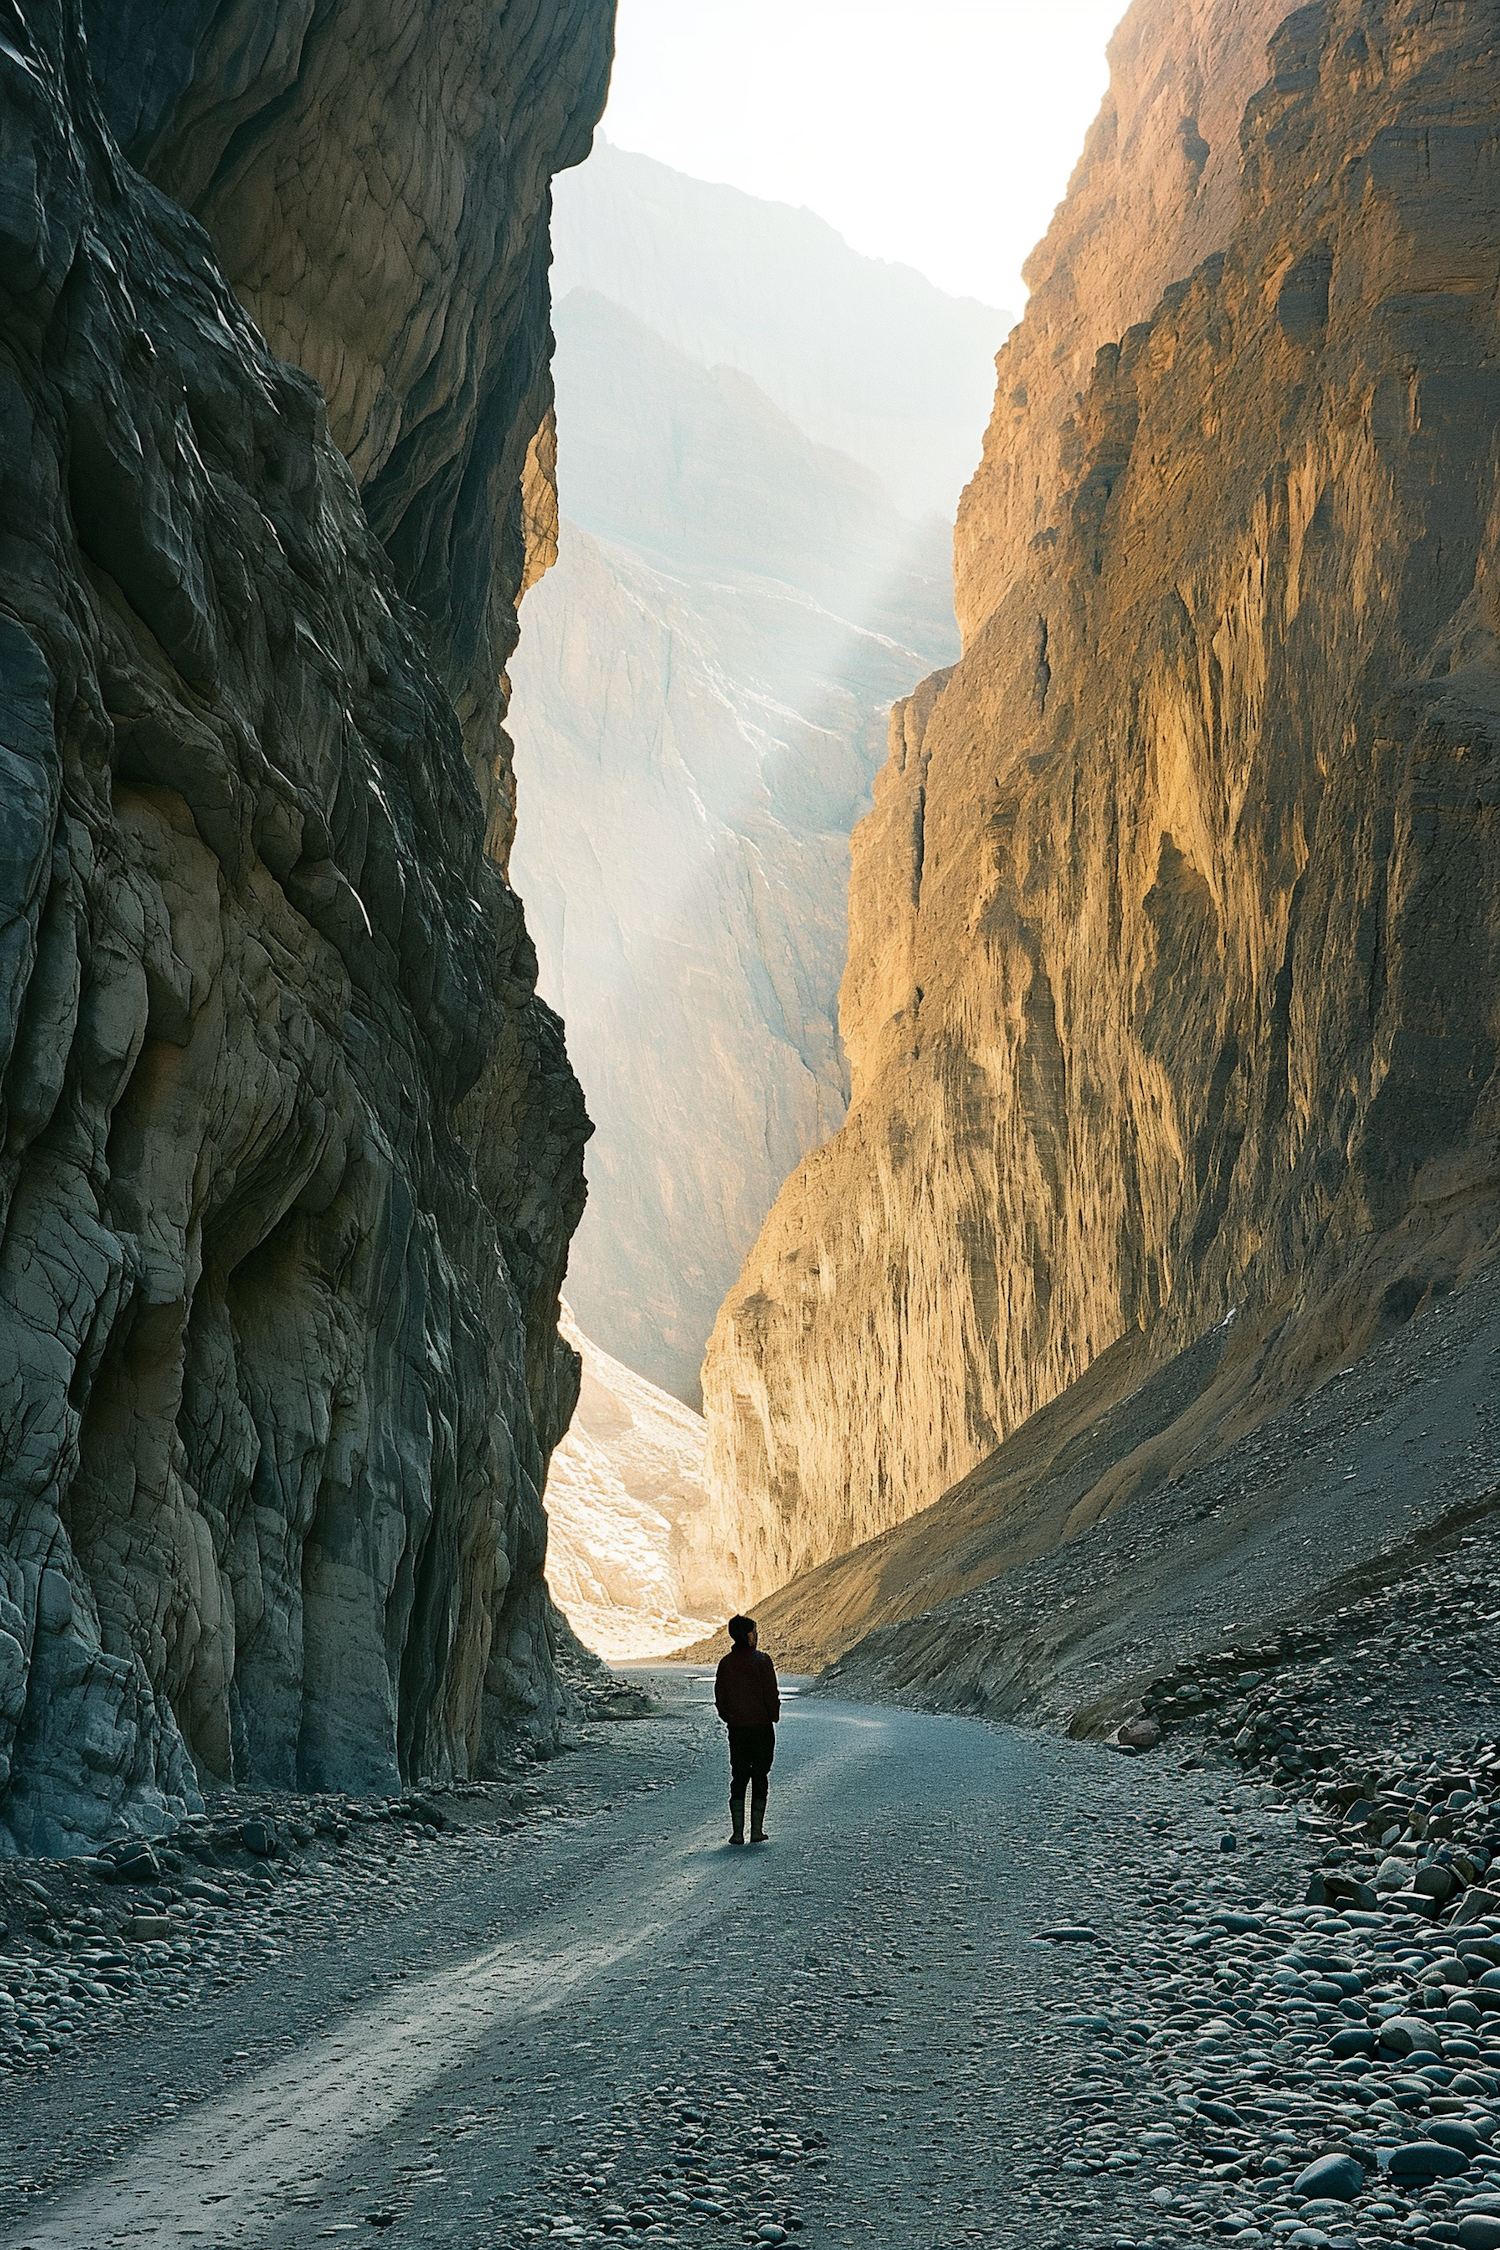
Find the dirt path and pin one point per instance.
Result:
(615, 2024)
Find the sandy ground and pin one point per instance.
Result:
(612, 2022)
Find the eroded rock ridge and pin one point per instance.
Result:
(1174, 927)
(280, 1357)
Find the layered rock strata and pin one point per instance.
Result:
(1174, 929)
(280, 1369)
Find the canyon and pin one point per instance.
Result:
(291, 1150)
(1160, 1087)
(700, 694)
(1121, 1355)
(1170, 997)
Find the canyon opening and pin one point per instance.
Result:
(749, 1124)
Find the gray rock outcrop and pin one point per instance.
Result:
(291, 1152)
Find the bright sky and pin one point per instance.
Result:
(939, 135)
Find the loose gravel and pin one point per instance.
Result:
(984, 1986)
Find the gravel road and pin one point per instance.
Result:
(611, 2022)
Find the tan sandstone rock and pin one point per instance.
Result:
(1174, 931)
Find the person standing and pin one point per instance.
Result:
(748, 1701)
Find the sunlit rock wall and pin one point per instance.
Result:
(279, 1369)
(1174, 930)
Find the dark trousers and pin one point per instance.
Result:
(751, 1750)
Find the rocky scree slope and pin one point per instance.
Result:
(280, 1362)
(1173, 927)
(1116, 1537)
(1329, 2069)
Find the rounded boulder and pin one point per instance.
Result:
(1427, 2160)
(1453, 2133)
(1339, 2175)
(1408, 2034)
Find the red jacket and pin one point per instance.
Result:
(745, 1690)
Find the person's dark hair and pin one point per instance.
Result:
(740, 1629)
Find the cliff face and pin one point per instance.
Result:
(699, 709)
(279, 1372)
(1155, 191)
(1174, 929)
(376, 179)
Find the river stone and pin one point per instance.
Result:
(1427, 2160)
(1338, 2176)
(1410, 2035)
(1456, 2135)
(1138, 1734)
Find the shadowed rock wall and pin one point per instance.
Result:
(1175, 931)
(279, 1367)
(376, 178)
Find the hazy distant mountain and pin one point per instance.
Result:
(695, 468)
(699, 706)
(865, 356)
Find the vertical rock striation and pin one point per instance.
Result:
(279, 1367)
(1175, 928)
(376, 178)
